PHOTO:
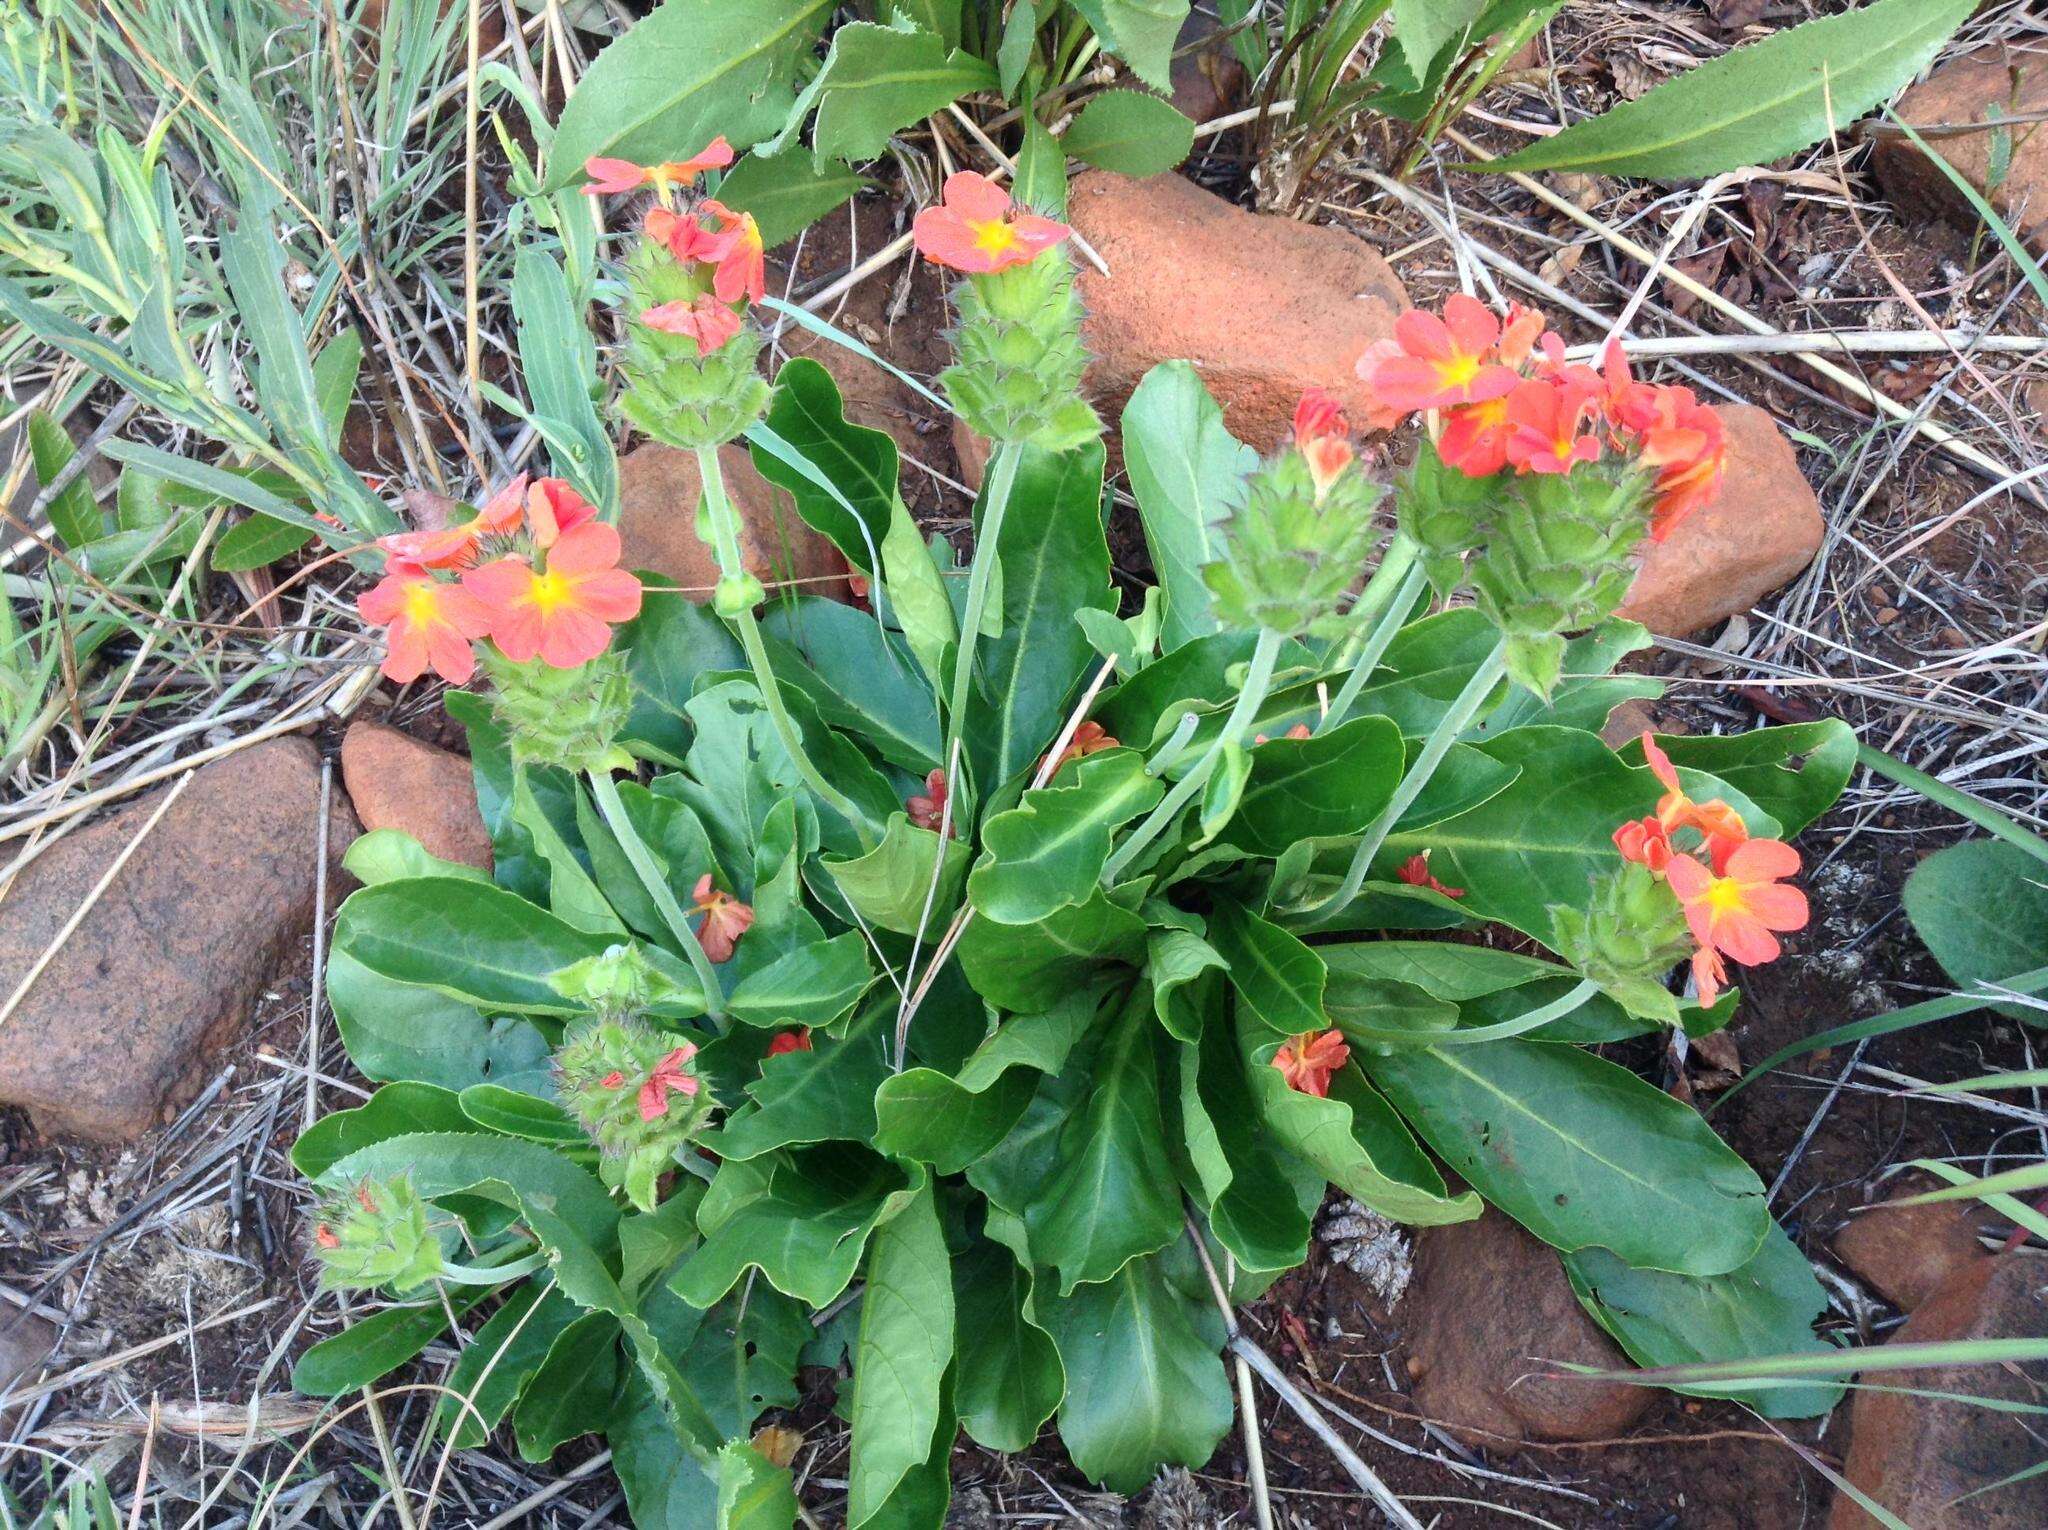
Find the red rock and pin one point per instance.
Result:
(1906, 1253)
(397, 782)
(972, 452)
(658, 492)
(1489, 1306)
(1207, 75)
(132, 1013)
(1724, 558)
(26, 1342)
(1263, 306)
(1918, 1455)
(1965, 90)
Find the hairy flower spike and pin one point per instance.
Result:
(636, 1092)
(690, 359)
(1628, 937)
(565, 717)
(617, 983)
(376, 1234)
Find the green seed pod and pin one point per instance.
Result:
(565, 717)
(1291, 558)
(672, 393)
(1017, 376)
(1627, 939)
(1557, 560)
(376, 1234)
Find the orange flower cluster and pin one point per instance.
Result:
(728, 248)
(1500, 395)
(555, 591)
(976, 229)
(1736, 903)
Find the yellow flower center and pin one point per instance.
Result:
(993, 237)
(1458, 371)
(549, 592)
(423, 602)
(1724, 896)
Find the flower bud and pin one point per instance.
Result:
(565, 717)
(737, 593)
(617, 983)
(376, 1234)
(1627, 939)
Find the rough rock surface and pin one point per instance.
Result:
(25, 1343)
(397, 782)
(1264, 307)
(658, 492)
(129, 1016)
(1488, 1308)
(1966, 90)
(1918, 1455)
(1906, 1253)
(1724, 558)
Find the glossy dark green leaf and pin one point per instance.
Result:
(788, 193)
(1331, 785)
(256, 542)
(572, 1392)
(892, 886)
(1260, 1199)
(803, 1232)
(392, 1111)
(500, 1359)
(1185, 469)
(823, 1095)
(1192, 677)
(900, 1359)
(1047, 853)
(516, 1113)
(1023, 968)
(1794, 773)
(861, 679)
(813, 985)
(1582, 1152)
(394, 1031)
(808, 414)
(1008, 1380)
(668, 646)
(525, 1175)
(375, 1346)
(1140, 32)
(1982, 908)
(880, 80)
(1278, 978)
(753, 1492)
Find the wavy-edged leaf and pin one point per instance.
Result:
(1009, 1379)
(859, 463)
(1022, 968)
(1323, 787)
(804, 1229)
(753, 1492)
(880, 80)
(900, 1358)
(392, 1111)
(1140, 32)
(812, 985)
(1047, 853)
(1278, 977)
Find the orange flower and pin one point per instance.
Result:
(456, 546)
(1415, 872)
(687, 239)
(1379, 414)
(1644, 841)
(704, 319)
(726, 919)
(743, 270)
(610, 177)
(1735, 914)
(1543, 420)
(928, 811)
(1685, 441)
(976, 229)
(1521, 334)
(553, 507)
(564, 612)
(785, 1042)
(1307, 1061)
(672, 1072)
(1709, 975)
(1088, 739)
(1320, 432)
(431, 623)
(1475, 438)
(1719, 823)
(1443, 361)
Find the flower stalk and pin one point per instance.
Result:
(613, 809)
(1002, 479)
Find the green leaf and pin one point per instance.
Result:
(905, 1345)
(1582, 1152)
(1589, 691)
(692, 70)
(394, 1031)
(392, 1111)
(376, 1345)
(668, 646)
(335, 370)
(664, 1483)
(1765, 1308)
(516, 1113)
(917, 594)
(1424, 28)
(1353, 1136)
(803, 1232)
(1130, 132)
(571, 1394)
(1047, 853)
(480, 944)
(1111, 1195)
(880, 80)
(1179, 963)
(891, 886)
(1982, 908)
(1186, 470)
(1008, 1380)
(1261, 1201)
(392, 855)
(1759, 102)
(1054, 561)
(74, 513)
(558, 362)
(1023, 968)
(1013, 52)
(823, 1095)
(1140, 32)
(808, 414)
(858, 675)
(1328, 786)
(1794, 773)
(813, 985)
(939, 16)
(1145, 1386)
(788, 193)
(524, 1175)
(500, 1359)
(252, 260)
(1279, 978)
(753, 1492)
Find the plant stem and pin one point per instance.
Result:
(1386, 627)
(606, 791)
(1454, 722)
(1257, 681)
(1528, 1020)
(725, 544)
(1002, 477)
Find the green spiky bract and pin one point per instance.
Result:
(1444, 512)
(1556, 560)
(565, 717)
(672, 394)
(1019, 356)
(598, 1074)
(1291, 559)
(376, 1234)
(1629, 936)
